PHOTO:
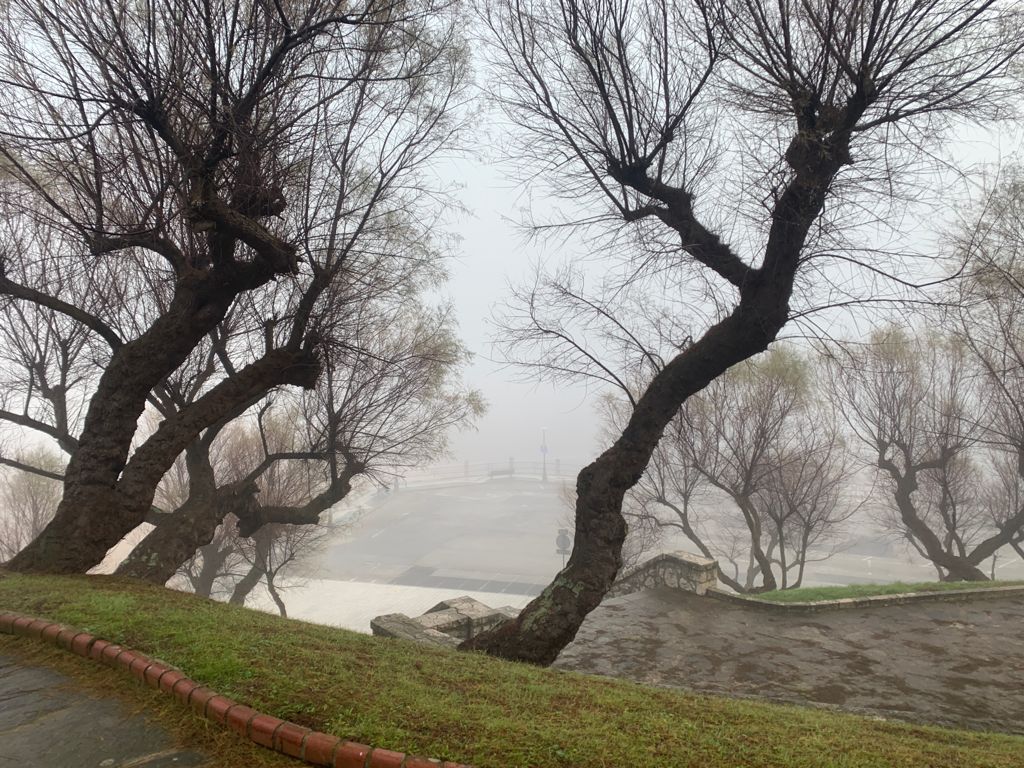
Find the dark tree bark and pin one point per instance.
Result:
(105, 495)
(169, 546)
(551, 620)
(180, 534)
(186, 155)
(93, 514)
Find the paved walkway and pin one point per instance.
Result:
(951, 663)
(45, 723)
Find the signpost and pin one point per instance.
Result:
(564, 544)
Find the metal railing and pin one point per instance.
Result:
(474, 471)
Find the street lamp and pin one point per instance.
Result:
(544, 453)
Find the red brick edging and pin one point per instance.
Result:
(267, 731)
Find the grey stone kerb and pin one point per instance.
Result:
(450, 622)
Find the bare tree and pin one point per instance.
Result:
(28, 500)
(990, 310)
(215, 568)
(647, 113)
(806, 494)
(913, 403)
(273, 552)
(200, 191)
(761, 436)
(1003, 497)
(385, 404)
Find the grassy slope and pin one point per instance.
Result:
(812, 594)
(466, 706)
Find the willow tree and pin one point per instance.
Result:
(764, 438)
(913, 402)
(734, 138)
(383, 405)
(169, 163)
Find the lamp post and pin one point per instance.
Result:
(544, 453)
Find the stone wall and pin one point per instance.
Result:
(448, 623)
(676, 570)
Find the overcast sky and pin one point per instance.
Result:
(494, 252)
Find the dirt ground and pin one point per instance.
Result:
(949, 663)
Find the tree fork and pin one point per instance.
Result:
(169, 546)
(94, 516)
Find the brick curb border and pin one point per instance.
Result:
(875, 601)
(265, 730)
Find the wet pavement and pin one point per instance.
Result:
(950, 663)
(45, 723)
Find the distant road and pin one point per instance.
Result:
(493, 535)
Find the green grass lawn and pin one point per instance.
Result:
(812, 594)
(451, 705)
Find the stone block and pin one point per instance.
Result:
(400, 626)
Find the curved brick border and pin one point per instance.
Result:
(267, 731)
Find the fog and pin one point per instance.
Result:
(675, 342)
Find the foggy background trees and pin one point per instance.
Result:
(28, 499)
(764, 437)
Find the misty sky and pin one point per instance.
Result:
(494, 252)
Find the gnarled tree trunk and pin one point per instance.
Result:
(956, 568)
(551, 620)
(169, 546)
(94, 513)
(106, 494)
